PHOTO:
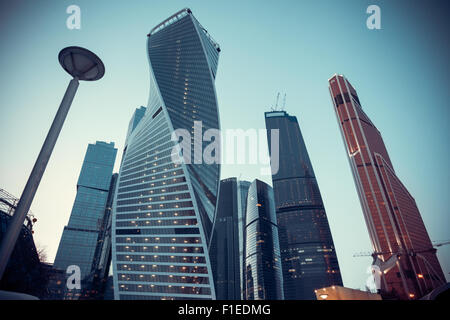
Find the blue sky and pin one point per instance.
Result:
(400, 73)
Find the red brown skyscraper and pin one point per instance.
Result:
(395, 226)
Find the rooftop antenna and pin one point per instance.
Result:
(274, 108)
(284, 102)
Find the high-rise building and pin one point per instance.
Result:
(164, 210)
(242, 189)
(393, 220)
(263, 278)
(102, 256)
(80, 237)
(226, 248)
(308, 254)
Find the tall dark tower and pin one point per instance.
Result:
(399, 238)
(307, 251)
(263, 277)
(226, 247)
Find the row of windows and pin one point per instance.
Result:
(169, 249)
(142, 137)
(150, 151)
(162, 176)
(158, 240)
(160, 231)
(159, 222)
(147, 163)
(161, 268)
(153, 199)
(162, 278)
(184, 204)
(154, 184)
(155, 214)
(145, 157)
(163, 289)
(153, 167)
(153, 191)
(138, 147)
(188, 259)
(132, 296)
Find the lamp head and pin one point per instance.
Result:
(81, 63)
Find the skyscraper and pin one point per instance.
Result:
(80, 237)
(307, 251)
(102, 256)
(164, 211)
(263, 278)
(242, 189)
(226, 249)
(393, 220)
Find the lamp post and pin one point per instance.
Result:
(81, 64)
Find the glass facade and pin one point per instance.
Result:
(242, 192)
(263, 276)
(80, 237)
(135, 119)
(307, 251)
(102, 257)
(163, 211)
(226, 249)
(393, 220)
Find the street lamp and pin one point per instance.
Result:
(81, 64)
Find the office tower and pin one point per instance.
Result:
(263, 276)
(307, 251)
(102, 256)
(399, 238)
(242, 187)
(163, 211)
(226, 248)
(80, 237)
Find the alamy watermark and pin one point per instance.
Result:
(374, 20)
(373, 282)
(233, 146)
(74, 278)
(74, 20)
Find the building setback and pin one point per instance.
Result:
(263, 278)
(395, 226)
(307, 251)
(80, 237)
(164, 210)
(226, 249)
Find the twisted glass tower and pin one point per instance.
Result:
(163, 210)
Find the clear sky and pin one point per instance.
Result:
(400, 73)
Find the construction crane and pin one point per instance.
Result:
(412, 252)
(386, 265)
